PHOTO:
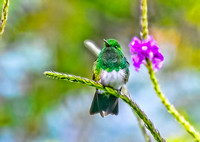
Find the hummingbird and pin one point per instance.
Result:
(110, 69)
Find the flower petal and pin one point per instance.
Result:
(145, 49)
(158, 55)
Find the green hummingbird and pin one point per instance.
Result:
(110, 69)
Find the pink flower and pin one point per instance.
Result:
(140, 50)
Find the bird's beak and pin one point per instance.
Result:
(106, 43)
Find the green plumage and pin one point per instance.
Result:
(111, 58)
(111, 69)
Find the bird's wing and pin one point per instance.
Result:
(127, 71)
(96, 71)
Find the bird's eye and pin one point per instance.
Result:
(115, 46)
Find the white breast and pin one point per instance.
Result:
(114, 79)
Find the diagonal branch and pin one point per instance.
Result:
(4, 16)
(143, 129)
(125, 98)
(140, 122)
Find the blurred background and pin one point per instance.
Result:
(45, 35)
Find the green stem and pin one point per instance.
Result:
(144, 34)
(144, 19)
(188, 127)
(4, 16)
(143, 129)
(140, 122)
(125, 98)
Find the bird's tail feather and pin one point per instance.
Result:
(104, 104)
